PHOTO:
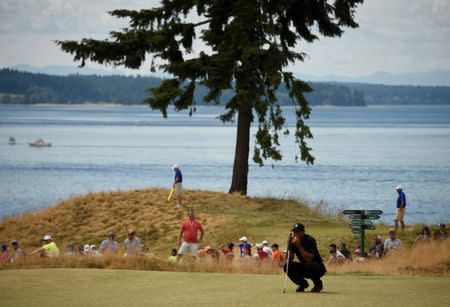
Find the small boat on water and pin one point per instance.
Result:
(40, 143)
(12, 141)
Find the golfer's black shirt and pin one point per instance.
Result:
(310, 246)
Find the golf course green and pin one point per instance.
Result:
(89, 287)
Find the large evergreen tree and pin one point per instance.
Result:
(251, 42)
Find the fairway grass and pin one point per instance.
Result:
(92, 287)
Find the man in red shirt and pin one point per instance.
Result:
(189, 234)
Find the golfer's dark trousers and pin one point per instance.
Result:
(299, 271)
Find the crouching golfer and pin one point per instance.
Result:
(189, 233)
(310, 266)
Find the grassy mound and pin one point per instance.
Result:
(86, 219)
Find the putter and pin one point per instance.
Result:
(287, 270)
(170, 194)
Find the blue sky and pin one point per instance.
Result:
(394, 36)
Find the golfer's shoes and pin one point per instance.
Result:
(303, 286)
(318, 286)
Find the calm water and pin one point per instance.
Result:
(361, 154)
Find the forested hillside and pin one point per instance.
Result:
(24, 87)
(402, 94)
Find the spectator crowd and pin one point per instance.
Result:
(227, 252)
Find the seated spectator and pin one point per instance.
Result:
(173, 255)
(392, 242)
(425, 235)
(266, 248)
(49, 249)
(87, 250)
(70, 247)
(441, 234)
(277, 256)
(132, 244)
(227, 250)
(377, 249)
(145, 250)
(94, 252)
(344, 251)
(215, 255)
(245, 248)
(17, 252)
(262, 254)
(357, 256)
(5, 253)
(248, 255)
(109, 245)
(336, 257)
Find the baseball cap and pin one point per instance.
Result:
(175, 166)
(399, 187)
(243, 239)
(391, 230)
(259, 245)
(265, 242)
(298, 227)
(131, 231)
(110, 234)
(47, 238)
(442, 225)
(14, 242)
(275, 245)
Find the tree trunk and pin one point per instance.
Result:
(240, 166)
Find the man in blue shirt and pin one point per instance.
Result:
(177, 184)
(401, 204)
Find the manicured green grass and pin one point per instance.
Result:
(89, 287)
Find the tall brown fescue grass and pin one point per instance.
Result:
(150, 263)
(425, 259)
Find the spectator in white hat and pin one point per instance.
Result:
(245, 248)
(49, 248)
(401, 204)
(177, 184)
(266, 248)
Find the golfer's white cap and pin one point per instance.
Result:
(259, 245)
(243, 239)
(47, 237)
(399, 187)
(265, 242)
(87, 247)
(175, 166)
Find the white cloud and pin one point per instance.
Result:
(395, 36)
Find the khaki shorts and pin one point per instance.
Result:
(400, 215)
(178, 189)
